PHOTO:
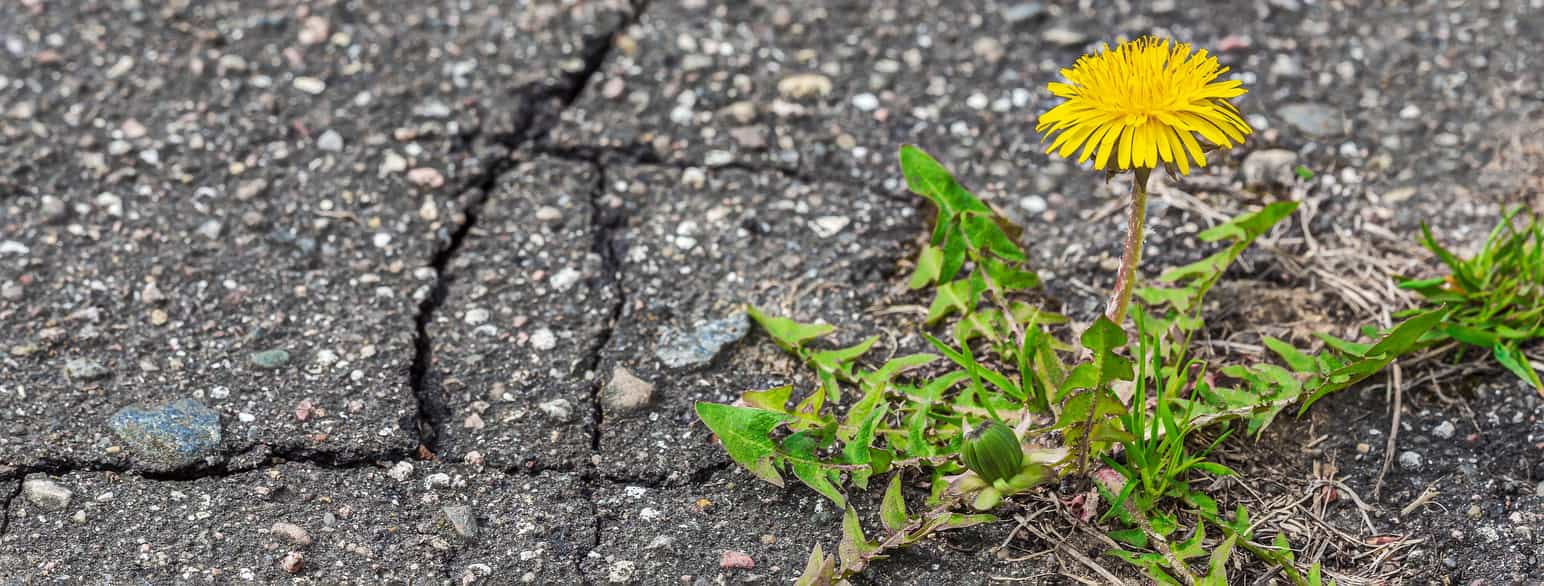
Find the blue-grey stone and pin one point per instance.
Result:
(677, 349)
(270, 359)
(1314, 119)
(168, 437)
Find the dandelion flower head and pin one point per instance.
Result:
(1141, 104)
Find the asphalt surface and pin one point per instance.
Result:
(258, 261)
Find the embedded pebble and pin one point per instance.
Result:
(558, 409)
(804, 85)
(310, 85)
(169, 436)
(1411, 461)
(1443, 430)
(732, 559)
(270, 359)
(678, 349)
(294, 562)
(426, 177)
(82, 369)
(46, 494)
(330, 141)
(295, 534)
(543, 339)
(625, 392)
(401, 471)
(461, 520)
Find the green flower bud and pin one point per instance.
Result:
(993, 452)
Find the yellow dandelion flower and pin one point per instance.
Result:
(1141, 104)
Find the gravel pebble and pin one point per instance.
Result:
(46, 494)
(270, 359)
(626, 393)
(295, 534)
(461, 520)
(82, 369)
(426, 177)
(733, 559)
(330, 141)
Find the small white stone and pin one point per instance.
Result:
(310, 85)
(564, 279)
(426, 177)
(437, 480)
(865, 102)
(330, 141)
(476, 316)
(694, 178)
(828, 226)
(392, 163)
(46, 494)
(1033, 204)
(543, 339)
(401, 471)
(804, 85)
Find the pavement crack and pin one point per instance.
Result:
(5, 516)
(426, 381)
(606, 220)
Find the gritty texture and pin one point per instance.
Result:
(451, 276)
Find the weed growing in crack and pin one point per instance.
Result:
(1009, 401)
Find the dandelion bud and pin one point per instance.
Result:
(993, 452)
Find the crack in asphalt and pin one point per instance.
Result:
(5, 516)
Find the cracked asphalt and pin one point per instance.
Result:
(401, 292)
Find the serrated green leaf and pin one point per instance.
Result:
(854, 546)
(856, 450)
(927, 178)
(788, 334)
(1250, 226)
(953, 297)
(983, 233)
(1219, 562)
(799, 449)
(819, 570)
(1294, 358)
(929, 265)
(1344, 346)
(773, 399)
(1191, 548)
(1009, 277)
(744, 434)
(892, 510)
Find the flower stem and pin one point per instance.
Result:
(1125, 280)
